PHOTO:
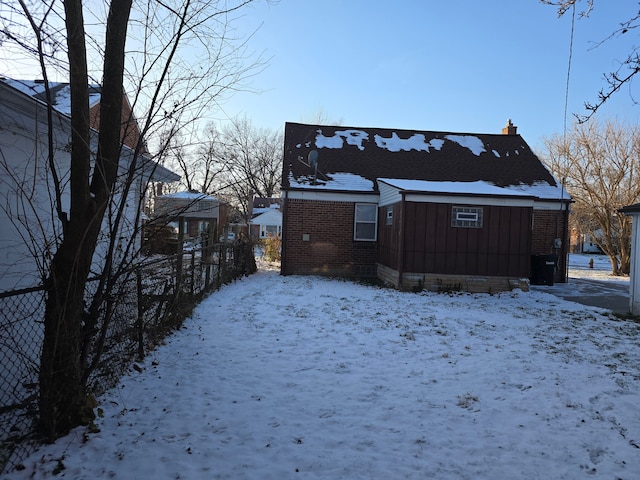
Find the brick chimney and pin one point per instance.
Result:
(510, 129)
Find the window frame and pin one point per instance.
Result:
(458, 213)
(276, 231)
(357, 221)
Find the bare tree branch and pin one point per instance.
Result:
(628, 68)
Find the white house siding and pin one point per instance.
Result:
(26, 202)
(634, 280)
(29, 227)
(268, 222)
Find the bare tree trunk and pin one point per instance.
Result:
(174, 90)
(61, 393)
(63, 402)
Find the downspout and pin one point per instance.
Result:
(401, 242)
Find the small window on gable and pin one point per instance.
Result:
(389, 215)
(466, 217)
(365, 222)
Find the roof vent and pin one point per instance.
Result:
(510, 129)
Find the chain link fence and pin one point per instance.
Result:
(144, 306)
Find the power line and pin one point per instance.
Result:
(566, 94)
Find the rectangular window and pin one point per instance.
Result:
(365, 222)
(270, 231)
(203, 226)
(466, 217)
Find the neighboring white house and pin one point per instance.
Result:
(588, 244)
(585, 242)
(634, 274)
(267, 223)
(29, 225)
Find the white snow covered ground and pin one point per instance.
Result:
(302, 377)
(579, 268)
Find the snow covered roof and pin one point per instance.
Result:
(479, 187)
(16, 104)
(60, 92)
(540, 190)
(349, 159)
(259, 211)
(271, 216)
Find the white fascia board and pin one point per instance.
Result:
(551, 205)
(331, 196)
(471, 200)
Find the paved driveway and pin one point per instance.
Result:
(611, 295)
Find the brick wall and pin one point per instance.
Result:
(547, 226)
(129, 129)
(318, 239)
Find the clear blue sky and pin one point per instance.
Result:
(457, 65)
(448, 65)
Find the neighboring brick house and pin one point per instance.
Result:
(416, 209)
(129, 128)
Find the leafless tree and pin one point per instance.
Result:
(233, 163)
(252, 157)
(198, 161)
(627, 68)
(321, 117)
(600, 163)
(176, 58)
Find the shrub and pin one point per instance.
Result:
(272, 248)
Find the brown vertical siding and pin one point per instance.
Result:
(500, 248)
(330, 249)
(388, 237)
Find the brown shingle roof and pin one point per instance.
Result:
(406, 154)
